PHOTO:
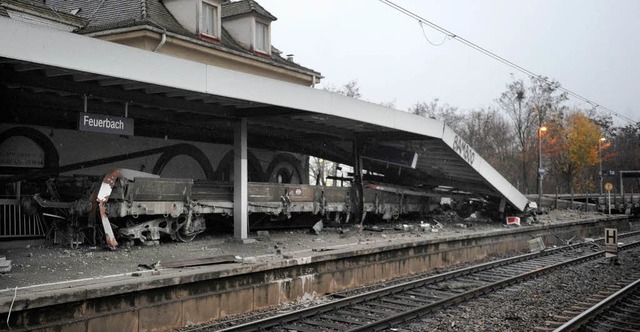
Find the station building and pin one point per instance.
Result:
(181, 89)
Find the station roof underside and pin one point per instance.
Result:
(50, 72)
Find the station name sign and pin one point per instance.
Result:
(106, 124)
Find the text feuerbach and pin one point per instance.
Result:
(103, 123)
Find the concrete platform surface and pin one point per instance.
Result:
(38, 266)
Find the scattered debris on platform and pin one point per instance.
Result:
(373, 228)
(317, 228)
(5, 265)
(196, 262)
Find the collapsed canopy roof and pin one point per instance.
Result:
(195, 101)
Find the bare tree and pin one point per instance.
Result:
(390, 104)
(320, 168)
(605, 121)
(443, 112)
(624, 154)
(511, 101)
(349, 89)
(546, 97)
(528, 109)
(491, 136)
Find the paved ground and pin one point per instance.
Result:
(36, 264)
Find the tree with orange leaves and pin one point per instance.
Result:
(573, 144)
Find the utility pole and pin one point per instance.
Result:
(540, 170)
(602, 139)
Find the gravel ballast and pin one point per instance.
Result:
(528, 305)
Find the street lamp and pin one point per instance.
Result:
(602, 139)
(540, 170)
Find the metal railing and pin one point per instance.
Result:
(15, 222)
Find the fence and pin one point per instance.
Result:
(16, 223)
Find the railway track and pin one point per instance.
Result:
(388, 307)
(616, 310)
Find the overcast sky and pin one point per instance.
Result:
(592, 47)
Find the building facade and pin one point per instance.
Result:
(42, 135)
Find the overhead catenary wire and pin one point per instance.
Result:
(424, 33)
(450, 35)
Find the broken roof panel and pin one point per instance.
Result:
(444, 158)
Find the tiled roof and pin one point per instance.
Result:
(110, 14)
(231, 43)
(242, 7)
(41, 9)
(275, 55)
(104, 15)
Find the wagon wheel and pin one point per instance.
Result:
(179, 232)
(395, 214)
(180, 236)
(183, 234)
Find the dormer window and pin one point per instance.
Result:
(262, 43)
(248, 24)
(210, 20)
(200, 17)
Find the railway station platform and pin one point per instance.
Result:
(173, 285)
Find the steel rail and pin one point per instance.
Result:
(348, 301)
(274, 321)
(588, 315)
(415, 313)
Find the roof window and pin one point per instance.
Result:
(262, 38)
(210, 20)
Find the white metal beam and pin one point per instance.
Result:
(30, 43)
(240, 181)
(490, 175)
(70, 51)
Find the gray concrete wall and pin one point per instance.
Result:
(176, 298)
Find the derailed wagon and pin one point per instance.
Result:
(145, 207)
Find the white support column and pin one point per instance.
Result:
(240, 181)
(357, 186)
